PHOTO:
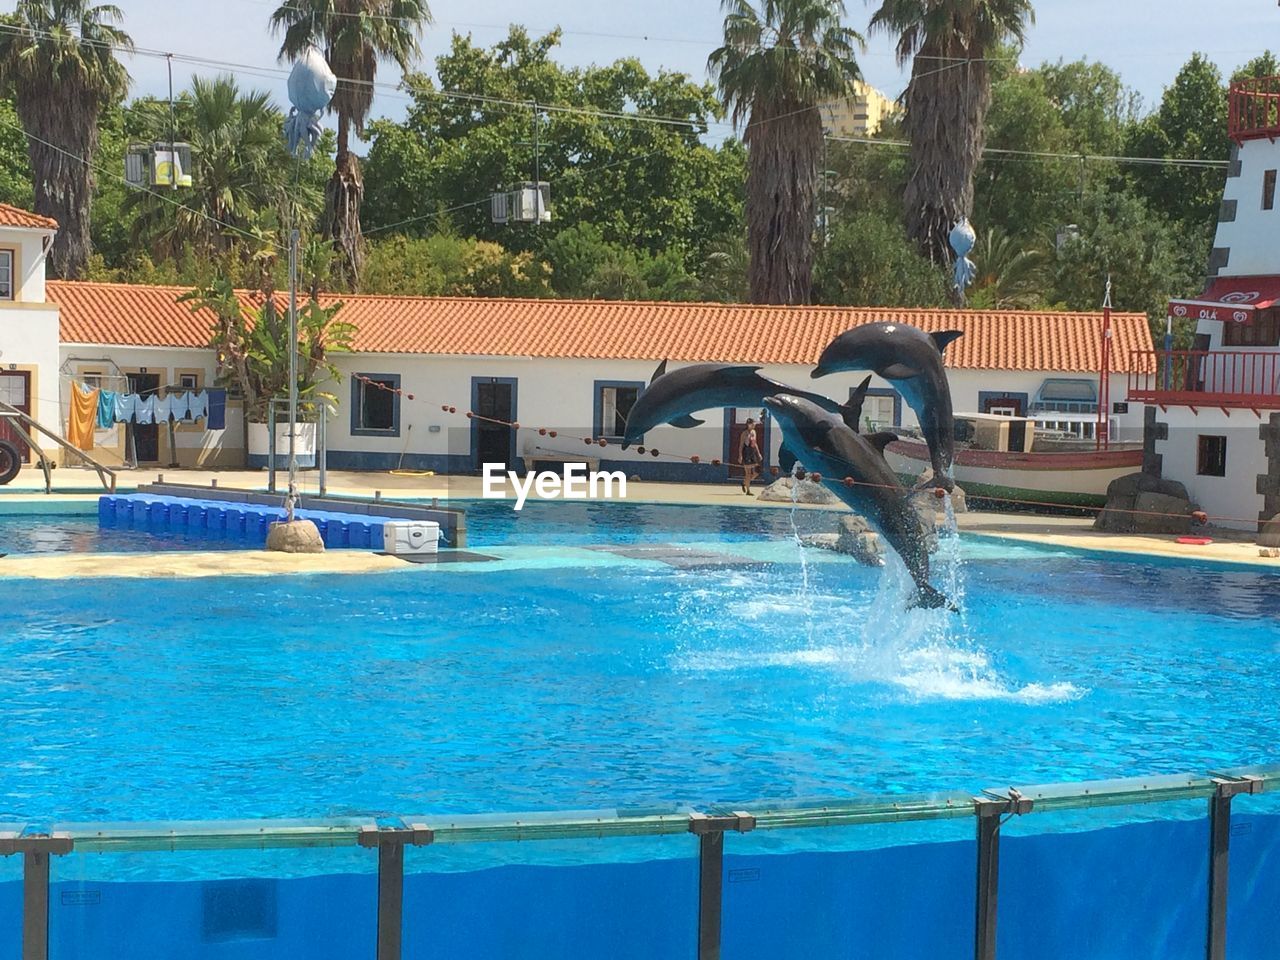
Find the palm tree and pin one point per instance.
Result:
(779, 63)
(242, 177)
(58, 62)
(1011, 275)
(354, 35)
(947, 42)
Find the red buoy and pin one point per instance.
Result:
(695, 459)
(470, 414)
(848, 482)
(640, 449)
(551, 433)
(939, 492)
(603, 442)
(653, 452)
(1199, 516)
(587, 441)
(815, 477)
(516, 425)
(411, 396)
(453, 409)
(715, 462)
(444, 407)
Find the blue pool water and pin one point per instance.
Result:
(563, 678)
(593, 681)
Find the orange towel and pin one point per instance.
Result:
(84, 415)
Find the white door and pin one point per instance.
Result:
(879, 412)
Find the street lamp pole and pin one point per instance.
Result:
(291, 503)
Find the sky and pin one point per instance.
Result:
(1146, 41)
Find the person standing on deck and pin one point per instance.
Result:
(749, 455)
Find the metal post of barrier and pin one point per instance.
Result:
(36, 851)
(1219, 858)
(390, 844)
(322, 412)
(989, 811)
(710, 832)
(271, 446)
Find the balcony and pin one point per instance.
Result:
(1226, 379)
(1254, 109)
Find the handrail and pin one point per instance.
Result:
(7, 411)
(602, 824)
(1247, 379)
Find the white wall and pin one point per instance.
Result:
(1251, 236)
(29, 341)
(28, 247)
(1234, 496)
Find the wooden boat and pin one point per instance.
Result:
(1076, 477)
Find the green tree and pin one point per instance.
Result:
(869, 262)
(58, 62)
(354, 35)
(1011, 274)
(1146, 256)
(948, 43)
(15, 165)
(779, 63)
(242, 176)
(645, 184)
(1190, 124)
(1264, 65)
(446, 265)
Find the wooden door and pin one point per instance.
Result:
(15, 390)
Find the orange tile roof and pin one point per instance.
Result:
(17, 217)
(105, 313)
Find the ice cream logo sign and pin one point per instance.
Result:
(1234, 306)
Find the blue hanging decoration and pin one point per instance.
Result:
(311, 86)
(962, 240)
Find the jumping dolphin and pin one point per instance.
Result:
(912, 359)
(673, 397)
(831, 448)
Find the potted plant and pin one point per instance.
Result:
(251, 337)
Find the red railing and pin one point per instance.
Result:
(1206, 378)
(1254, 109)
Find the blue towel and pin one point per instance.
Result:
(106, 409)
(146, 409)
(217, 410)
(126, 407)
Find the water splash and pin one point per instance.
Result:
(805, 598)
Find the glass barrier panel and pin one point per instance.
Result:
(625, 898)
(1107, 883)
(11, 907)
(292, 904)
(901, 890)
(1253, 879)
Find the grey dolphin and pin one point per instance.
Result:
(829, 447)
(912, 359)
(672, 397)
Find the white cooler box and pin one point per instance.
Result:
(409, 538)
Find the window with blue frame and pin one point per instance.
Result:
(375, 405)
(613, 403)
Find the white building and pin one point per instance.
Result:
(1217, 400)
(571, 368)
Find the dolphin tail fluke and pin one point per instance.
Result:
(931, 598)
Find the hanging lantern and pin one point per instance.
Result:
(311, 86)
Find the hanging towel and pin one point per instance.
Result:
(181, 403)
(199, 405)
(146, 409)
(164, 409)
(84, 414)
(106, 409)
(126, 407)
(217, 419)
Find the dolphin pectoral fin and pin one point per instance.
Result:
(851, 412)
(931, 598)
(686, 422)
(944, 337)
(881, 440)
(662, 369)
(898, 371)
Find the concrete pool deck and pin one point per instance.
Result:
(26, 496)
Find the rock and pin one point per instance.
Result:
(300, 536)
(780, 492)
(959, 502)
(1269, 536)
(853, 537)
(1159, 513)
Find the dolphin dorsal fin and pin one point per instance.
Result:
(662, 368)
(881, 440)
(851, 412)
(945, 337)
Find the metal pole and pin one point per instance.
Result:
(988, 878)
(35, 905)
(323, 444)
(710, 894)
(271, 446)
(293, 374)
(1219, 850)
(390, 900)
(1168, 353)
